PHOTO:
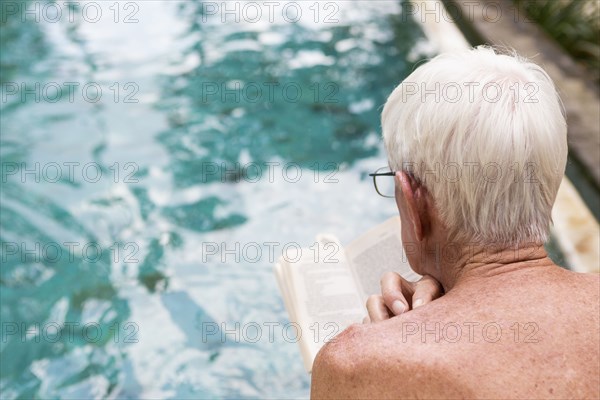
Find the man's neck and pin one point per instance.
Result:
(476, 263)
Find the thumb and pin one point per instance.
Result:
(396, 292)
(426, 290)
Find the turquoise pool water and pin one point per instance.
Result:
(155, 160)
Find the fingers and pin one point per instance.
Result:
(400, 295)
(425, 290)
(396, 291)
(376, 309)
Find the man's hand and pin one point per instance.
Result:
(399, 295)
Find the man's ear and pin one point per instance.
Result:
(412, 201)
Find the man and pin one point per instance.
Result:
(477, 141)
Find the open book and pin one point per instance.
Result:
(325, 289)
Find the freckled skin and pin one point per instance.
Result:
(555, 356)
(528, 328)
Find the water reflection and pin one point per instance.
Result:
(212, 97)
(53, 299)
(308, 94)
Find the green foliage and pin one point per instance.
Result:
(574, 24)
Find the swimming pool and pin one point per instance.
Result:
(156, 158)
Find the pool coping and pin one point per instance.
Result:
(575, 228)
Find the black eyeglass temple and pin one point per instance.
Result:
(383, 174)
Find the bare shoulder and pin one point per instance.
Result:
(423, 354)
(593, 280)
(367, 361)
(585, 278)
(344, 367)
(584, 289)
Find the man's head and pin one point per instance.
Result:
(481, 141)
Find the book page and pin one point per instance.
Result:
(320, 294)
(376, 252)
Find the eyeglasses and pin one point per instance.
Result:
(383, 185)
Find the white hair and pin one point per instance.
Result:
(486, 134)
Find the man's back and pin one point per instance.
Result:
(531, 333)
